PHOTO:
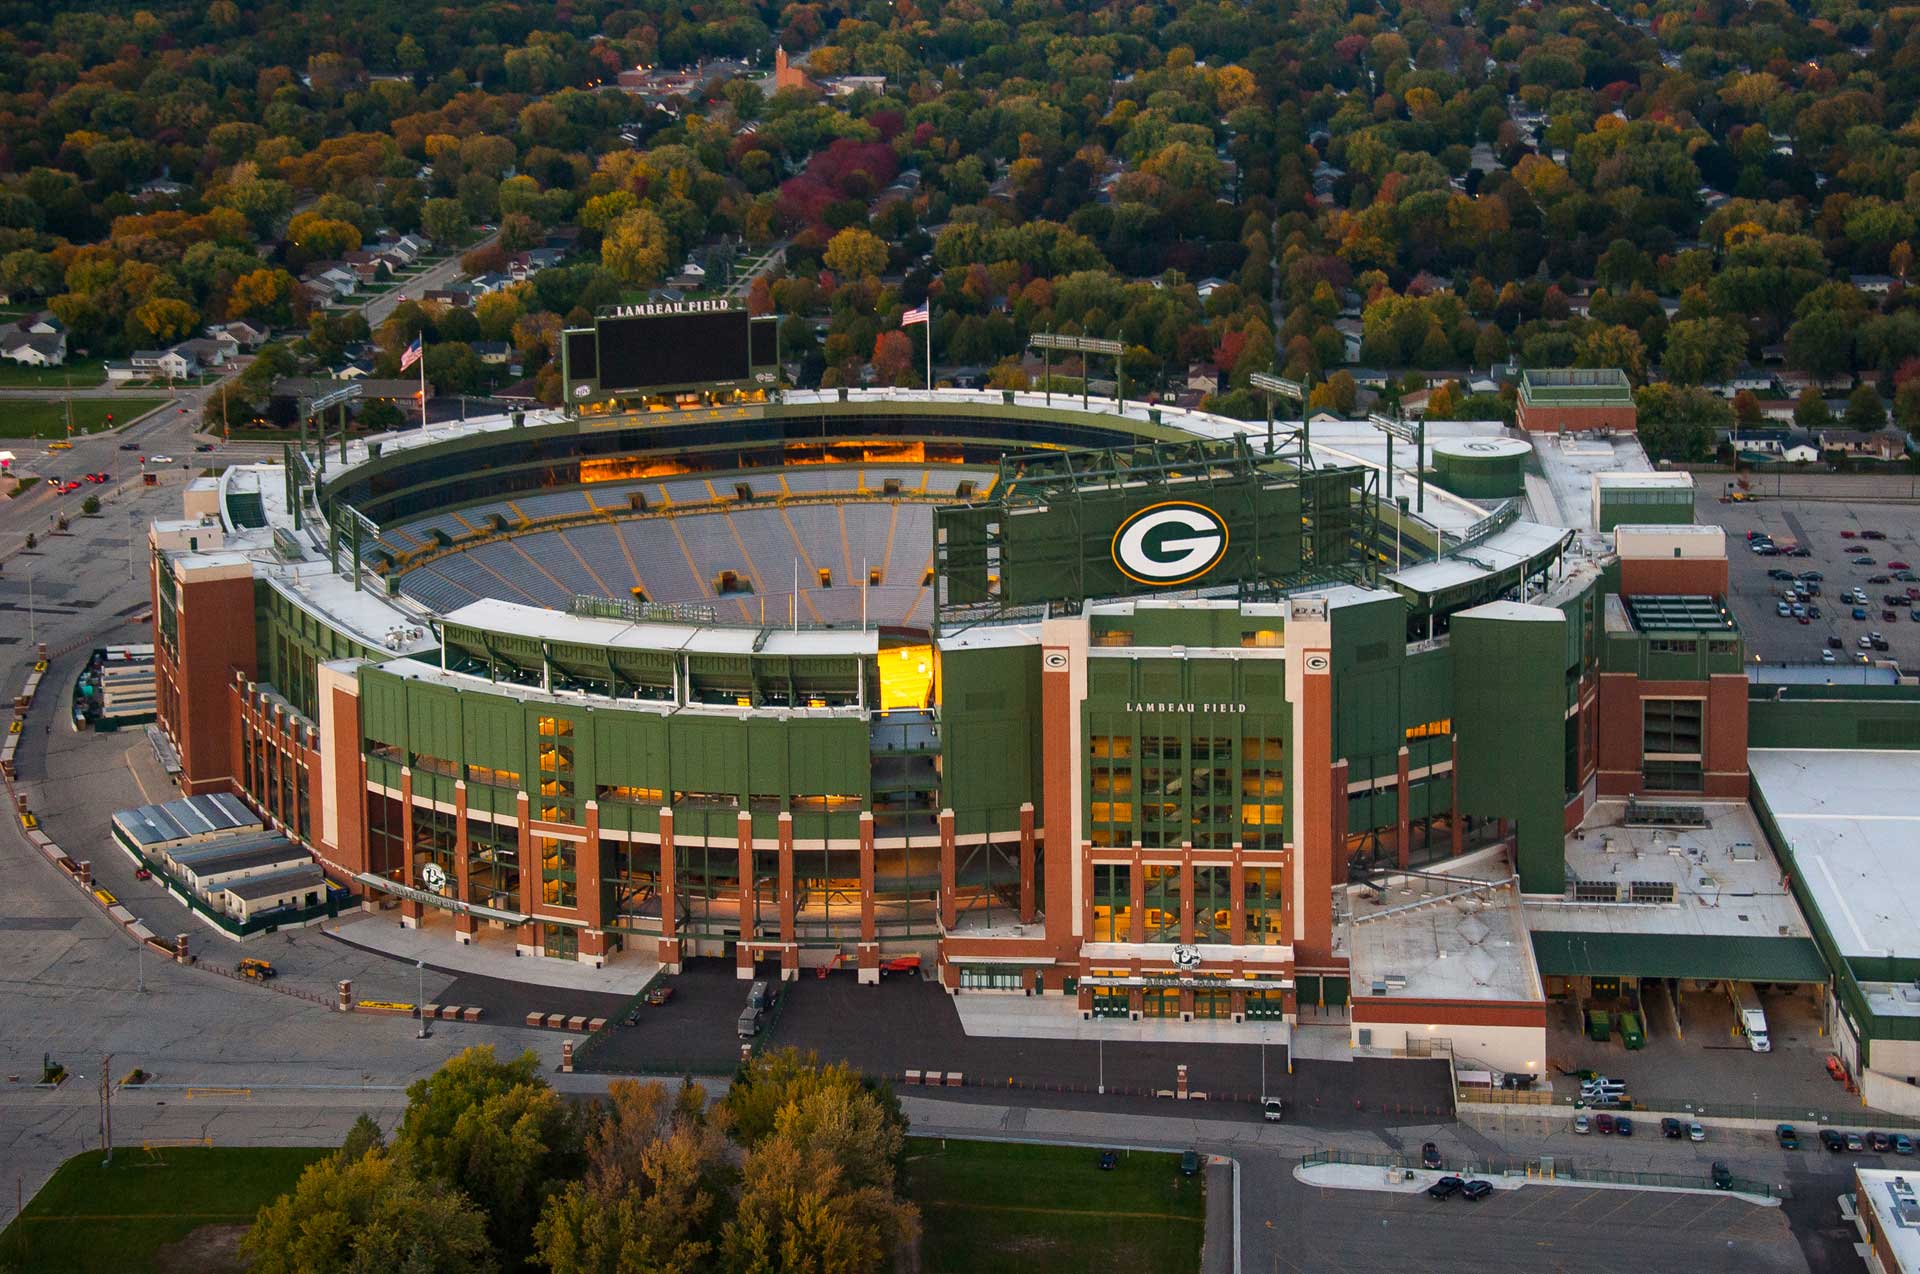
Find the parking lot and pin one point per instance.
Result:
(907, 1023)
(1693, 1056)
(1821, 527)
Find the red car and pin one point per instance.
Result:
(1846, 535)
(1898, 566)
(1603, 1122)
(142, 874)
(68, 488)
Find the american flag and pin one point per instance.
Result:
(918, 314)
(412, 355)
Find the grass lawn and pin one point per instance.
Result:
(1013, 1209)
(82, 373)
(92, 1218)
(47, 418)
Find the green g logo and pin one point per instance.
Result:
(1170, 543)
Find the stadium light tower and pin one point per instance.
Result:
(1279, 386)
(1047, 342)
(1415, 433)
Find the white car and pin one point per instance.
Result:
(159, 459)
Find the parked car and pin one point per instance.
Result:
(1446, 1187)
(1826, 657)
(1109, 1161)
(1696, 1131)
(1582, 1125)
(1623, 1126)
(1856, 1143)
(1902, 1144)
(141, 873)
(1189, 1163)
(1873, 535)
(1429, 1155)
(1898, 566)
(1787, 1136)
(1879, 1143)
(205, 446)
(1722, 1178)
(1813, 612)
(1833, 1140)
(129, 446)
(659, 994)
(1671, 1128)
(160, 459)
(1777, 573)
(1848, 535)
(1834, 643)
(1863, 561)
(1476, 1190)
(1272, 1109)
(1603, 1123)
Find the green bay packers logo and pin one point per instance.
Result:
(1170, 543)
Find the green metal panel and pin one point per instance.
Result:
(1678, 955)
(990, 735)
(1509, 711)
(1842, 720)
(709, 754)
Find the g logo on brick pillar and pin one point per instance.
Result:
(1173, 542)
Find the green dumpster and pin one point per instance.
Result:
(1599, 1025)
(1630, 1033)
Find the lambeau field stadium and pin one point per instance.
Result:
(1111, 704)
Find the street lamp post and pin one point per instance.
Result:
(1101, 1045)
(420, 1006)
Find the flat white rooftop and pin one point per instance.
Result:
(1441, 939)
(1723, 879)
(1889, 1195)
(1851, 820)
(1562, 492)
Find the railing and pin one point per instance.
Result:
(1862, 1118)
(1546, 1168)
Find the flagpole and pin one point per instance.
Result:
(929, 326)
(423, 385)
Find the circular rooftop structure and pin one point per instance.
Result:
(1481, 468)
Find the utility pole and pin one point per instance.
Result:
(106, 1109)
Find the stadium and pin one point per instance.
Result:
(1063, 696)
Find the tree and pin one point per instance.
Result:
(637, 248)
(380, 415)
(650, 1197)
(444, 220)
(368, 1215)
(1680, 423)
(856, 253)
(1810, 411)
(1864, 409)
(1906, 406)
(1700, 350)
(1821, 343)
(90, 505)
(453, 368)
(817, 1190)
(263, 292)
(893, 358)
(496, 1132)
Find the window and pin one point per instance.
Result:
(556, 769)
(559, 872)
(629, 795)
(1431, 730)
(491, 776)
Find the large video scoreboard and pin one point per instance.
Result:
(667, 346)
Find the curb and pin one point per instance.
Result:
(1415, 1185)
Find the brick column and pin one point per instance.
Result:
(1136, 898)
(669, 946)
(411, 912)
(1457, 823)
(949, 903)
(463, 923)
(1237, 887)
(1086, 899)
(590, 894)
(1026, 863)
(749, 907)
(1402, 824)
(1186, 891)
(869, 950)
(789, 942)
(529, 936)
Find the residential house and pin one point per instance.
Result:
(1370, 377)
(354, 369)
(159, 188)
(1753, 380)
(488, 283)
(246, 334)
(34, 349)
(1208, 286)
(493, 353)
(1873, 284)
(1203, 377)
(1875, 444)
(206, 351)
(692, 275)
(454, 294)
(168, 364)
(1794, 446)
(1352, 335)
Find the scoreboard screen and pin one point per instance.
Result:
(670, 346)
(675, 349)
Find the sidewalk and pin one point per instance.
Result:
(1351, 1176)
(382, 935)
(1056, 1018)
